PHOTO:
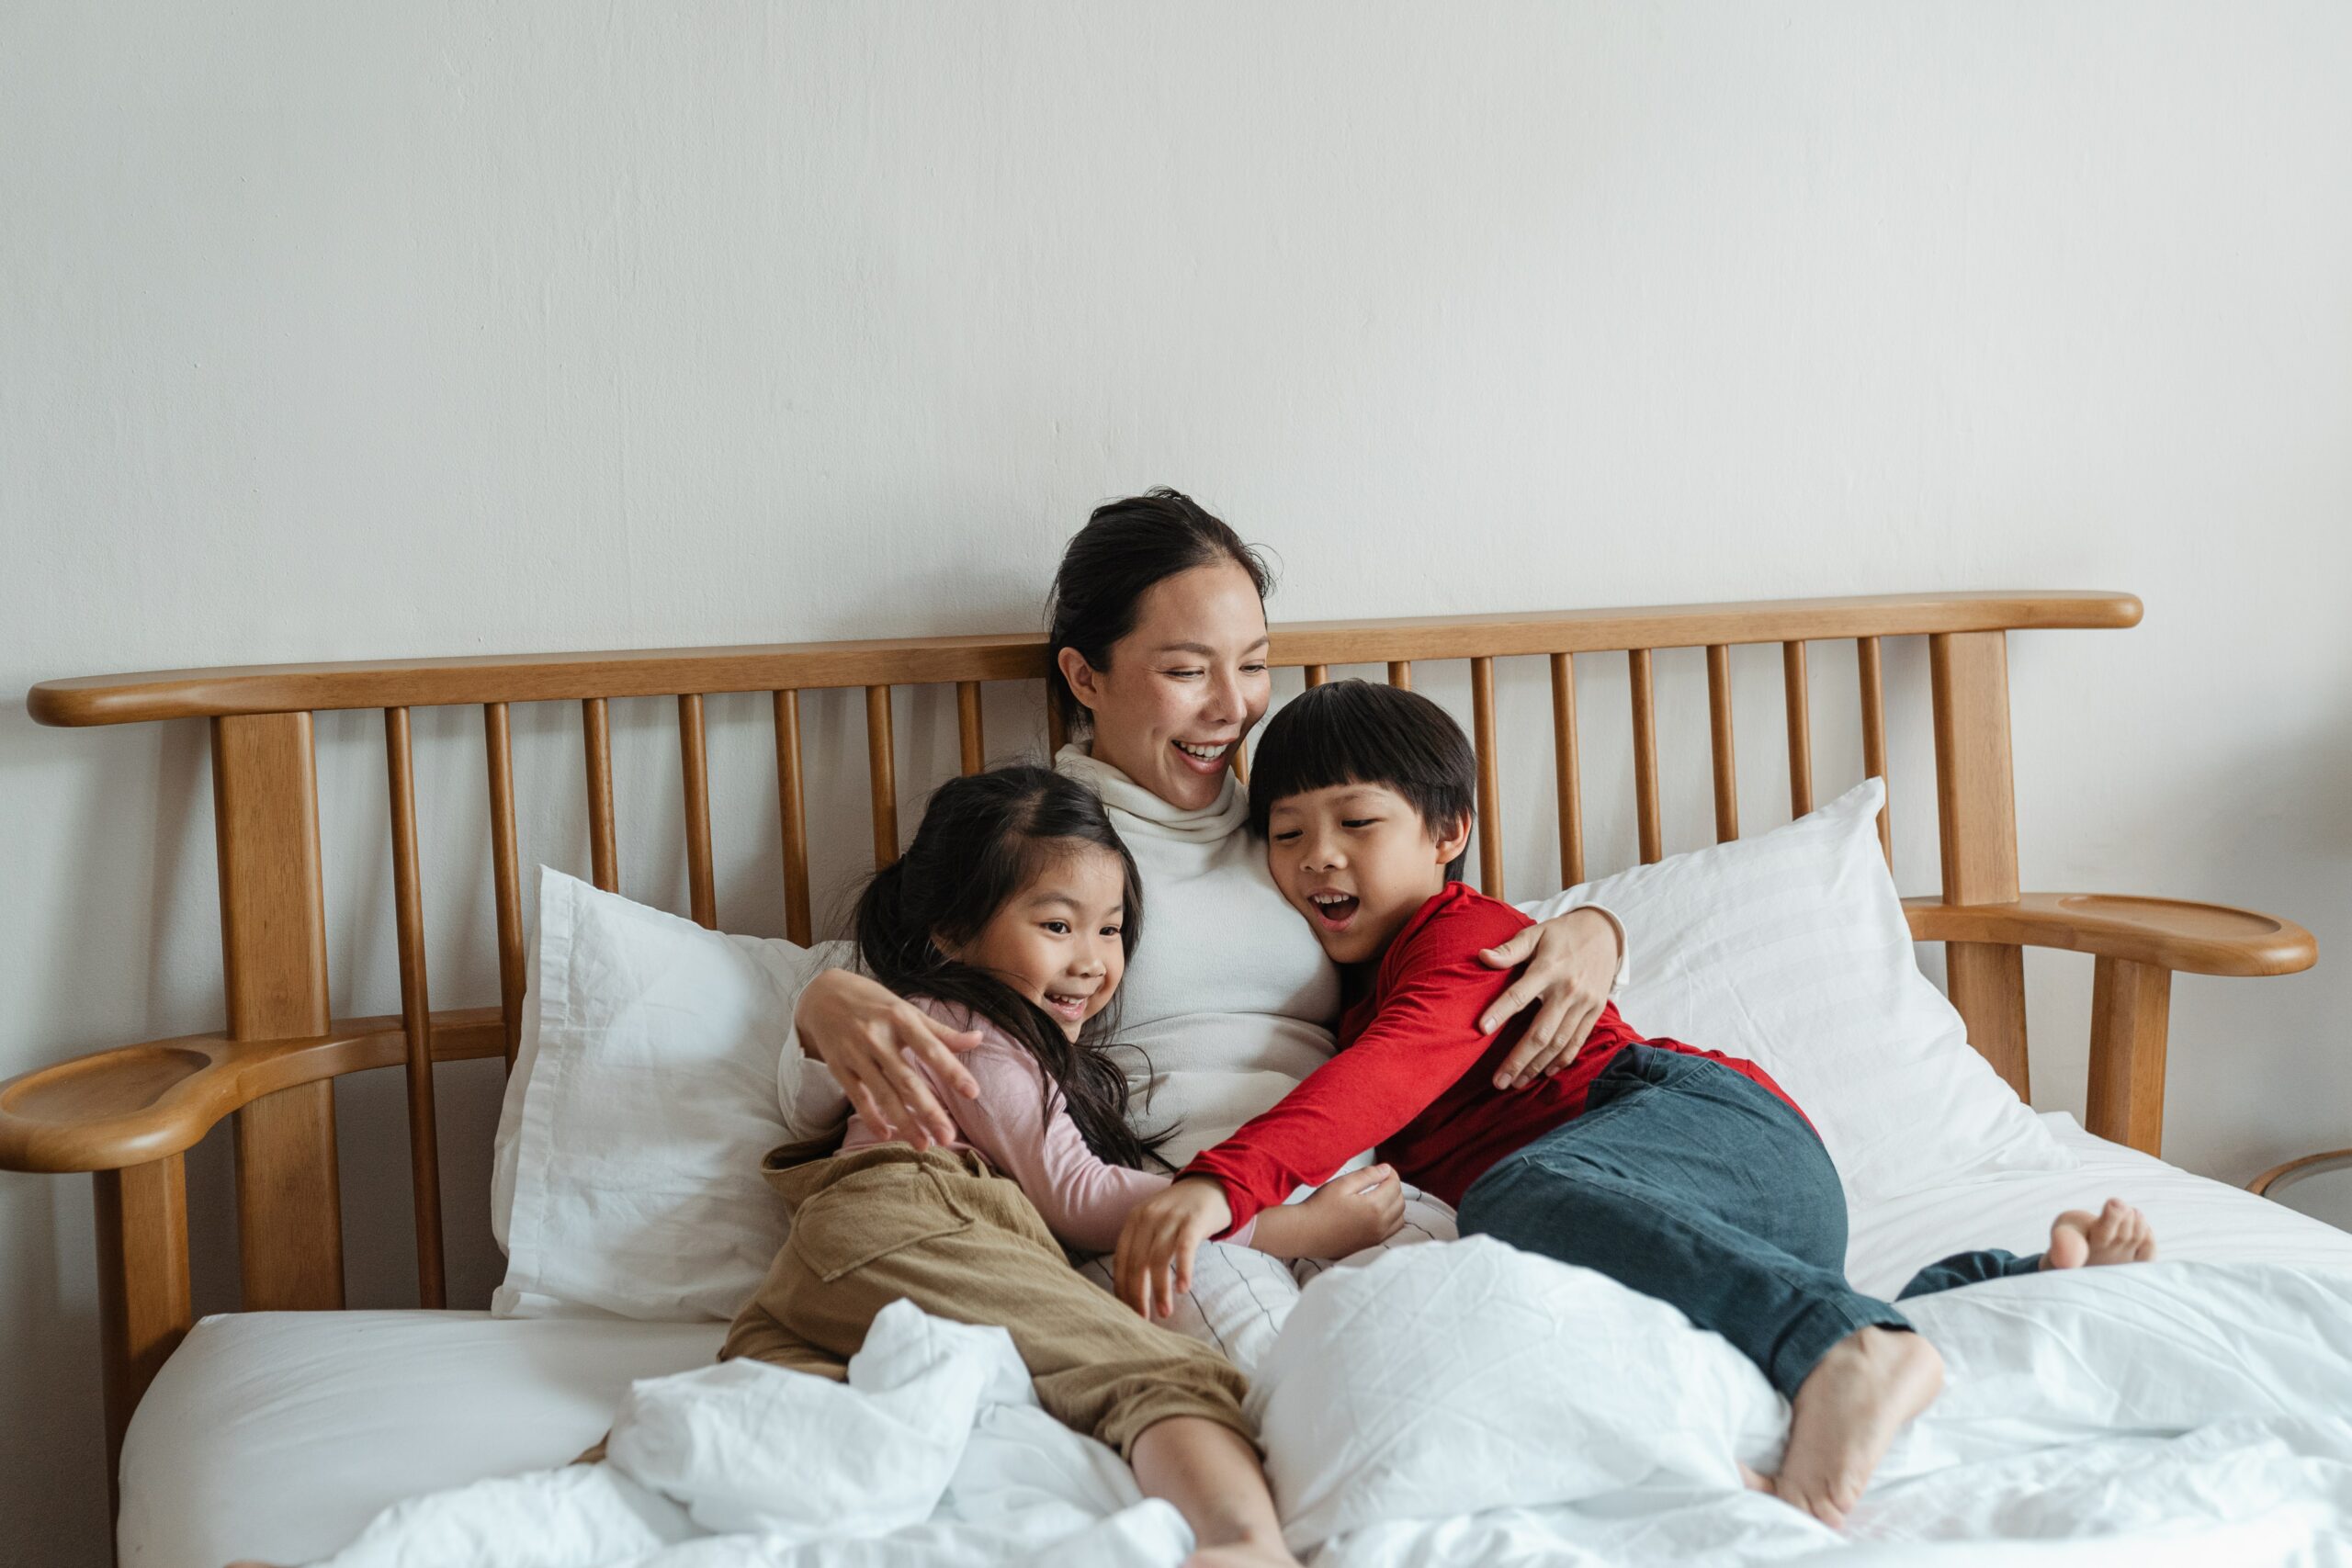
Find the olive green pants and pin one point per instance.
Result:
(942, 1229)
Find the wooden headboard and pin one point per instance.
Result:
(128, 1114)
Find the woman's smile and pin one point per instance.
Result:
(1207, 758)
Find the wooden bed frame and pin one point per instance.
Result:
(128, 1114)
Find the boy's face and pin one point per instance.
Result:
(1356, 861)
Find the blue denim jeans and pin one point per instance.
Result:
(1688, 1182)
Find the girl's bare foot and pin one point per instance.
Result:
(1846, 1413)
(2117, 1234)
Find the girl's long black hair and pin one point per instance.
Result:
(983, 839)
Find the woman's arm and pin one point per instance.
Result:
(866, 1035)
(1574, 960)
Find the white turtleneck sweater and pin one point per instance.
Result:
(1230, 995)
(1229, 999)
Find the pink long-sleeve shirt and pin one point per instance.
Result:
(1025, 1131)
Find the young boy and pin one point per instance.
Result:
(1682, 1173)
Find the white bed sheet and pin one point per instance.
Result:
(280, 1435)
(2197, 1219)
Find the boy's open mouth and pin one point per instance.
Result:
(1333, 911)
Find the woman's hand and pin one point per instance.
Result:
(1153, 1263)
(1571, 961)
(865, 1034)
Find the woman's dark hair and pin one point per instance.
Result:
(1126, 547)
(1358, 733)
(983, 839)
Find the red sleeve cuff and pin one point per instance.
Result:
(1245, 1205)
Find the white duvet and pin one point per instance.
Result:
(1466, 1403)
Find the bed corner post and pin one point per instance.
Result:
(143, 1305)
(1976, 819)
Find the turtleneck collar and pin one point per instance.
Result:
(1205, 824)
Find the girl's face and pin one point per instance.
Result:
(1056, 941)
(1183, 687)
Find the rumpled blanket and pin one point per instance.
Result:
(1466, 1403)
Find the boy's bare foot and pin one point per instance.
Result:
(2117, 1234)
(1846, 1413)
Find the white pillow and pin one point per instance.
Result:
(644, 1095)
(1790, 949)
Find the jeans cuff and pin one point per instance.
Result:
(1819, 1327)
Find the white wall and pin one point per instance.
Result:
(345, 331)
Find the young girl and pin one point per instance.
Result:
(1012, 916)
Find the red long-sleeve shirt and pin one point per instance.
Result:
(1414, 1077)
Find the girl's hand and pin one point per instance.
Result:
(866, 1035)
(1571, 961)
(1354, 1209)
(1153, 1263)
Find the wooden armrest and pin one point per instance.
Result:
(128, 1114)
(136, 1104)
(2139, 943)
(2193, 939)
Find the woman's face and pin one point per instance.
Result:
(1183, 687)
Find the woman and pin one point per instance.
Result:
(1159, 636)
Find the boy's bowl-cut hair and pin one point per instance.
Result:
(1357, 732)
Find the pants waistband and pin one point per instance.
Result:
(799, 1176)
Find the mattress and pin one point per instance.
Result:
(280, 1435)
(276, 1434)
